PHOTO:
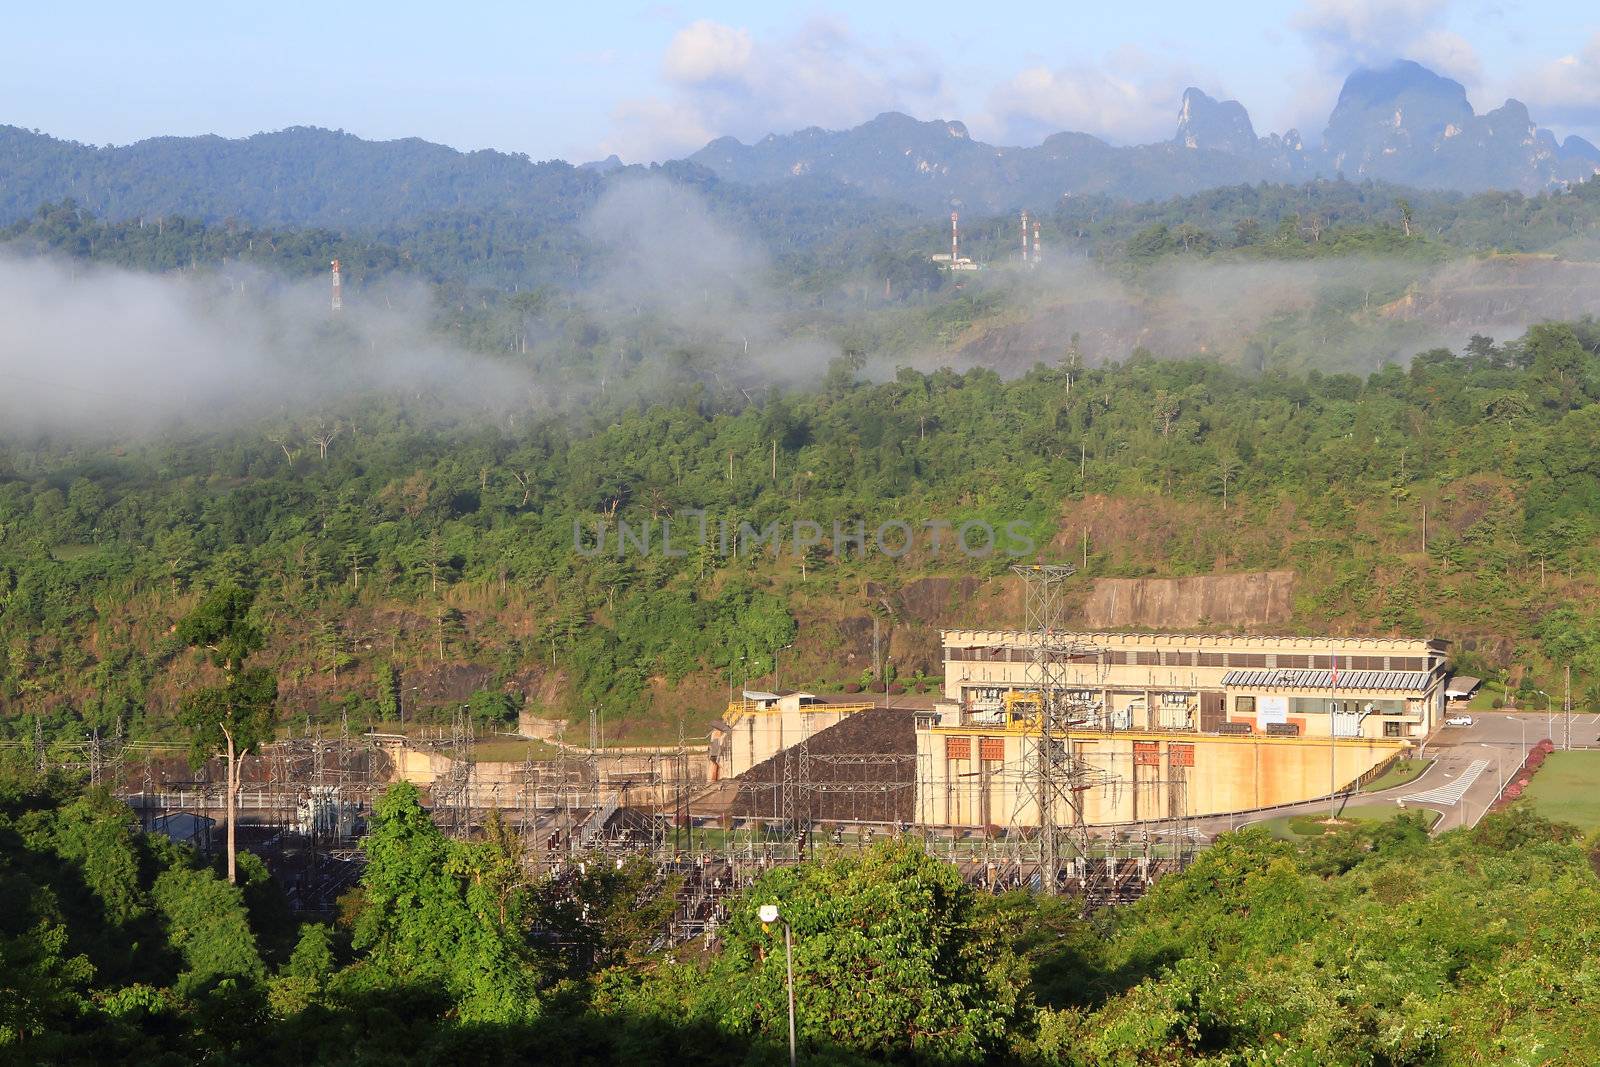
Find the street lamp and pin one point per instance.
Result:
(730, 674)
(769, 914)
(775, 656)
(1549, 715)
(401, 705)
(1497, 775)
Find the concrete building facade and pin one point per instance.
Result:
(1167, 726)
(976, 776)
(1302, 686)
(760, 725)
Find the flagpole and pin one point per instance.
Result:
(1333, 750)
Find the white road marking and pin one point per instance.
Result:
(1192, 832)
(1452, 793)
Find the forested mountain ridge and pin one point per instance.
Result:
(298, 176)
(1401, 124)
(936, 164)
(410, 193)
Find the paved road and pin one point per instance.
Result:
(1470, 765)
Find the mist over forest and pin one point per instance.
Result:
(677, 289)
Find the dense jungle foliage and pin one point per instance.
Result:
(418, 542)
(821, 243)
(1369, 945)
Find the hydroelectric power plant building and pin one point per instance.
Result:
(1172, 726)
(1156, 726)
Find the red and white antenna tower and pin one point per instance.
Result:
(1036, 256)
(338, 289)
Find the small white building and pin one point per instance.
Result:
(760, 725)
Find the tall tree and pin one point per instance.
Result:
(446, 914)
(232, 718)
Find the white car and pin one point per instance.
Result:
(1459, 720)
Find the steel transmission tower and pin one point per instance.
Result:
(795, 787)
(1054, 779)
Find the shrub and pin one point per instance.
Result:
(852, 687)
(491, 709)
(897, 689)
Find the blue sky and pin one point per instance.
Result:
(652, 81)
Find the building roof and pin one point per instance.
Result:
(956, 636)
(1287, 678)
(1461, 685)
(762, 694)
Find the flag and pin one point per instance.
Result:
(1333, 705)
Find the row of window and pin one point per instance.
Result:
(1145, 753)
(1318, 705)
(1148, 754)
(990, 749)
(1246, 660)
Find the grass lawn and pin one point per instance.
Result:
(512, 750)
(1300, 827)
(1400, 772)
(1567, 789)
(1484, 698)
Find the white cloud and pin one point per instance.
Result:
(653, 128)
(1352, 33)
(722, 80)
(1448, 53)
(1566, 91)
(1346, 34)
(708, 51)
(719, 79)
(1091, 98)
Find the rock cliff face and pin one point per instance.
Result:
(1401, 123)
(1244, 601)
(1404, 123)
(1220, 124)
